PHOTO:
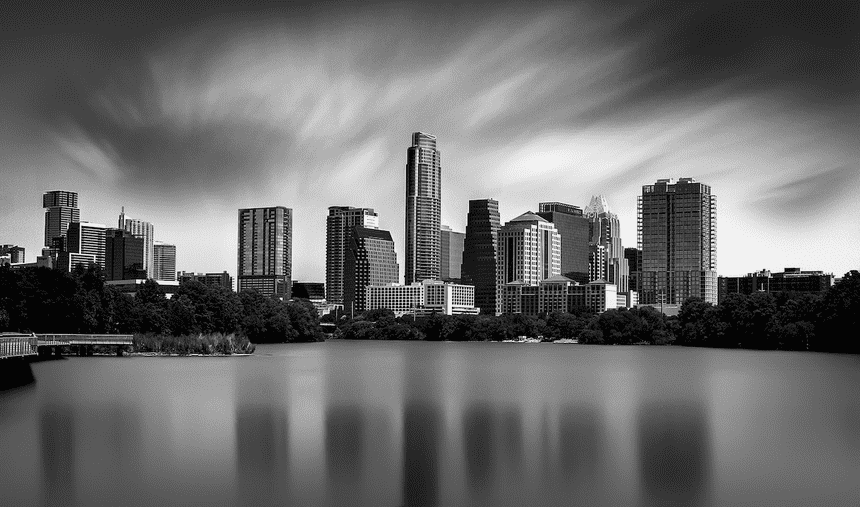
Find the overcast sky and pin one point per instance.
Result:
(185, 114)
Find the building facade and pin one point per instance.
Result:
(124, 256)
(309, 290)
(423, 298)
(339, 224)
(68, 261)
(89, 239)
(480, 252)
(677, 234)
(634, 261)
(61, 209)
(370, 260)
(574, 230)
(265, 251)
(529, 252)
(605, 231)
(163, 261)
(15, 253)
(145, 231)
(790, 280)
(557, 294)
(451, 245)
(423, 208)
(222, 279)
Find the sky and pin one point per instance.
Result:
(185, 113)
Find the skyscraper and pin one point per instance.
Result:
(265, 251)
(480, 252)
(124, 256)
(529, 252)
(143, 230)
(423, 208)
(634, 260)
(88, 239)
(339, 224)
(677, 234)
(450, 254)
(605, 231)
(573, 228)
(163, 261)
(370, 260)
(61, 210)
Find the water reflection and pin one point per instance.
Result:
(675, 452)
(261, 451)
(57, 430)
(479, 442)
(344, 448)
(421, 439)
(580, 444)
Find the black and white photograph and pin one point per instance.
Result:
(585, 253)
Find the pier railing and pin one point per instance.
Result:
(18, 345)
(52, 340)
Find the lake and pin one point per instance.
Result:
(416, 423)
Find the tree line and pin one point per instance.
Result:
(43, 300)
(780, 321)
(49, 301)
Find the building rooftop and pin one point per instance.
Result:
(528, 216)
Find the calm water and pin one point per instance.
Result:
(437, 424)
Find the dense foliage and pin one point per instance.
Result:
(781, 321)
(43, 300)
(214, 319)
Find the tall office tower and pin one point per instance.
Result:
(143, 230)
(15, 253)
(266, 251)
(605, 231)
(634, 261)
(163, 261)
(339, 224)
(480, 252)
(123, 256)
(529, 251)
(370, 260)
(597, 268)
(574, 230)
(677, 234)
(423, 208)
(451, 245)
(88, 239)
(61, 210)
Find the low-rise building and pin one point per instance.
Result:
(423, 298)
(222, 279)
(790, 280)
(558, 294)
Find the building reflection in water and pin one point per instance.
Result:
(581, 444)
(423, 430)
(479, 442)
(675, 452)
(57, 429)
(344, 450)
(261, 446)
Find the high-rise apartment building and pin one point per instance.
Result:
(61, 209)
(574, 230)
(529, 252)
(450, 254)
(677, 234)
(605, 231)
(423, 208)
(143, 230)
(480, 252)
(163, 261)
(123, 256)
(339, 225)
(88, 239)
(370, 260)
(265, 251)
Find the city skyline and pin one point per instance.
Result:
(187, 116)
